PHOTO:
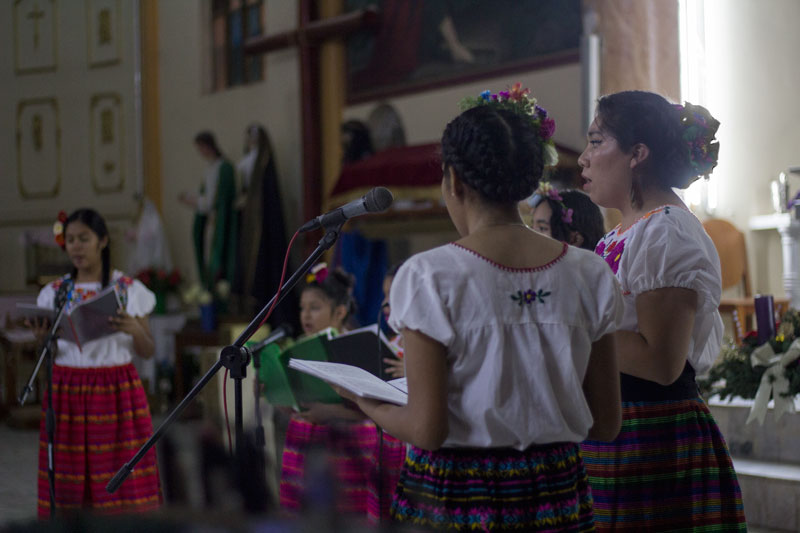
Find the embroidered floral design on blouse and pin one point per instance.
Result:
(611, 253)
(79, 294)
(530, 296)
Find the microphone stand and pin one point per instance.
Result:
(235, 358)
(47, 355)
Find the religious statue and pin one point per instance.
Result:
(215, 228)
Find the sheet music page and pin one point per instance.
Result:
(354, 379)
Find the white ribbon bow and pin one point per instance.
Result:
(773, 382)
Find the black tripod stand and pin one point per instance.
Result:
(47, 355)
(235, 358)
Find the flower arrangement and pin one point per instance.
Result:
(699, 128)
(159, 280)
(758, 371)
(520, 101)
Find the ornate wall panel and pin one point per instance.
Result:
(38, 148)
(103, 32)
(35, 36)
(107, 144)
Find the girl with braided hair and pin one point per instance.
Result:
(508, 344)
(669, 468)
(101, 409)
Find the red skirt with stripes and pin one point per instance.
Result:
(102, 418)
(360, 472)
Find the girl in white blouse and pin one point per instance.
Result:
(102, 415)
(669, 468)
(509, 351)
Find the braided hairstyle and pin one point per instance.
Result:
(338, 289)
(97, 224)
(680, 138)
(586, 218)
(494, 151)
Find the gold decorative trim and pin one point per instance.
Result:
(57, 143)
(95, 137)
(54, 30)
(92, 31)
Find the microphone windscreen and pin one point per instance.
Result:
(378, 199)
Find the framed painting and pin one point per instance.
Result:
(424, 44)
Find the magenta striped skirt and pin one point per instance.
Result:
(359, 473)
(102, 418)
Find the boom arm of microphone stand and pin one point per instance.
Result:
(328, 240)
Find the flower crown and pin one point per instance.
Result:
(521, 102)
(547, 191)
(58, 230)
(699, 128)
(318, 274)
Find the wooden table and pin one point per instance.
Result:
(16, 344)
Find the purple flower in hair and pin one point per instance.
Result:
(547, 128)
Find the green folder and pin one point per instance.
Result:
(308, 388)
(272, 374)
(287, 387)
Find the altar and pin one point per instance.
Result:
(788, 226)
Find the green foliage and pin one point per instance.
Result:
(734, 375)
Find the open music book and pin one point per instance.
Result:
(85, 321)
(356, 380)
(363, 348)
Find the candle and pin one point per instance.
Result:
(765, 317)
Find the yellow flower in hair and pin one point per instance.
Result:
(318, 274)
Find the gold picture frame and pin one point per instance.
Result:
(35, 36)
(38, 148)
(103, 32)
(106, 144)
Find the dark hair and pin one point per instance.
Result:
(338, 288)
(360, 145)
(633, 117)
(495, 152)
(97, 224)
(207, 138)
(394, 268)
(586, 218)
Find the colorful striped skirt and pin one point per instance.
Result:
(669, 469)
(544, 488)
(345, 468)
(102, 418)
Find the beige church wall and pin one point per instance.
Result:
(425, 114)
(56, 52)
(752, 80)
(187, 106)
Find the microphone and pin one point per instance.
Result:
(284, 330)
(377, 200)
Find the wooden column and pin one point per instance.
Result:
(151, 122)
(640, 48)
(333, 83)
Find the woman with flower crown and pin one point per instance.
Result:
(100, 405)
(669, 468)
(508, 344)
